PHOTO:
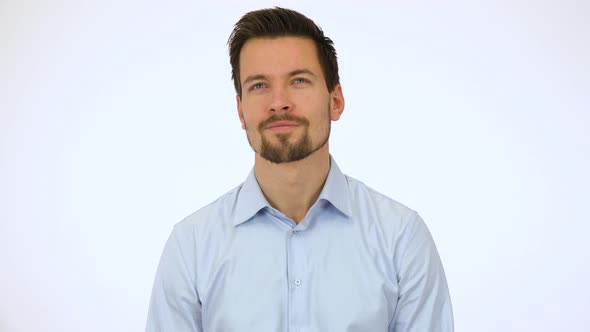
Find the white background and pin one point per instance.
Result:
(117, 120)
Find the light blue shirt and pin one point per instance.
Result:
(358, 261)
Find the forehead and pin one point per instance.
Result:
(268, 56)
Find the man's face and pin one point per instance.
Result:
(285, 106)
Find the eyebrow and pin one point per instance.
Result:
(301, 71)
(291, 74)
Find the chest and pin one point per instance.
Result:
(283, 280)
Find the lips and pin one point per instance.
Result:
(282, 124)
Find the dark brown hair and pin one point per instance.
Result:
(281, 22)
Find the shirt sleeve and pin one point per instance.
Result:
(174, 304)
(424, 303)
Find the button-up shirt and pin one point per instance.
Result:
(358, 261)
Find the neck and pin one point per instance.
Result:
(293, 188)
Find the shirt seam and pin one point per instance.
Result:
(413, 231)
(184, 263)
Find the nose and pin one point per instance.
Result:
(280, 101)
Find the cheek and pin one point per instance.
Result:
(322, 117)
(251, 113)
(246, 117)
(251, 122)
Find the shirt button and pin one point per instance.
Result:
(297, 282)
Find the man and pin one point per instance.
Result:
(298, 246)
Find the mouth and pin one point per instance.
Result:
(280, 126)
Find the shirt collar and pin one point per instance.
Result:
(250, 199)
(335, 189)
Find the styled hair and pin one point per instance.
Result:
(281, 22)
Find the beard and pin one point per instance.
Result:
(285, 151)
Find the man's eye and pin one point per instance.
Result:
(257, 86)
(299, 80)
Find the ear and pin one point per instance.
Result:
(337, 102)
(240, 111)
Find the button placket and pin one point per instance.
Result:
(296, 294)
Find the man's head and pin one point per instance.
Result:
(286, 78)
(281, 22)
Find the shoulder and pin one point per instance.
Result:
(364, 197)
(375, 210)
(211, 217)
(384, 220)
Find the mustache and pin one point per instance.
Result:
(283, 117)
